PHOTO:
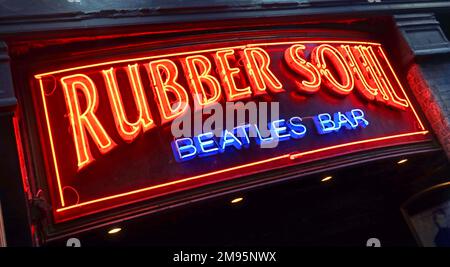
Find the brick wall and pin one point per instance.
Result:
(430, 83)
(422, 41)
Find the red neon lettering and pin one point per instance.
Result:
(84, 120)
(371, 80)
(257, 63)
(164, 74)
(365, 77)
(346, 83)
(228, 75)
(198, 73)
(128, 130)
(295, 59)
(383, 80)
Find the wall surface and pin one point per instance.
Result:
(428, 73)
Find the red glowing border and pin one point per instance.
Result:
(285, 156)
(291, 156)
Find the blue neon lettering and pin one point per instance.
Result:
(358, 116)
(229, 139)
(324, 123)
(344, 120)
(259, 138)
(183, 149)
(205, 144)
(296, 128)
(241, 133)
(279, 130)
(350, 120)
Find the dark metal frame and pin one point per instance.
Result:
(301, 10)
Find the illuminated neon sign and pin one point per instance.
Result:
(106, 125)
